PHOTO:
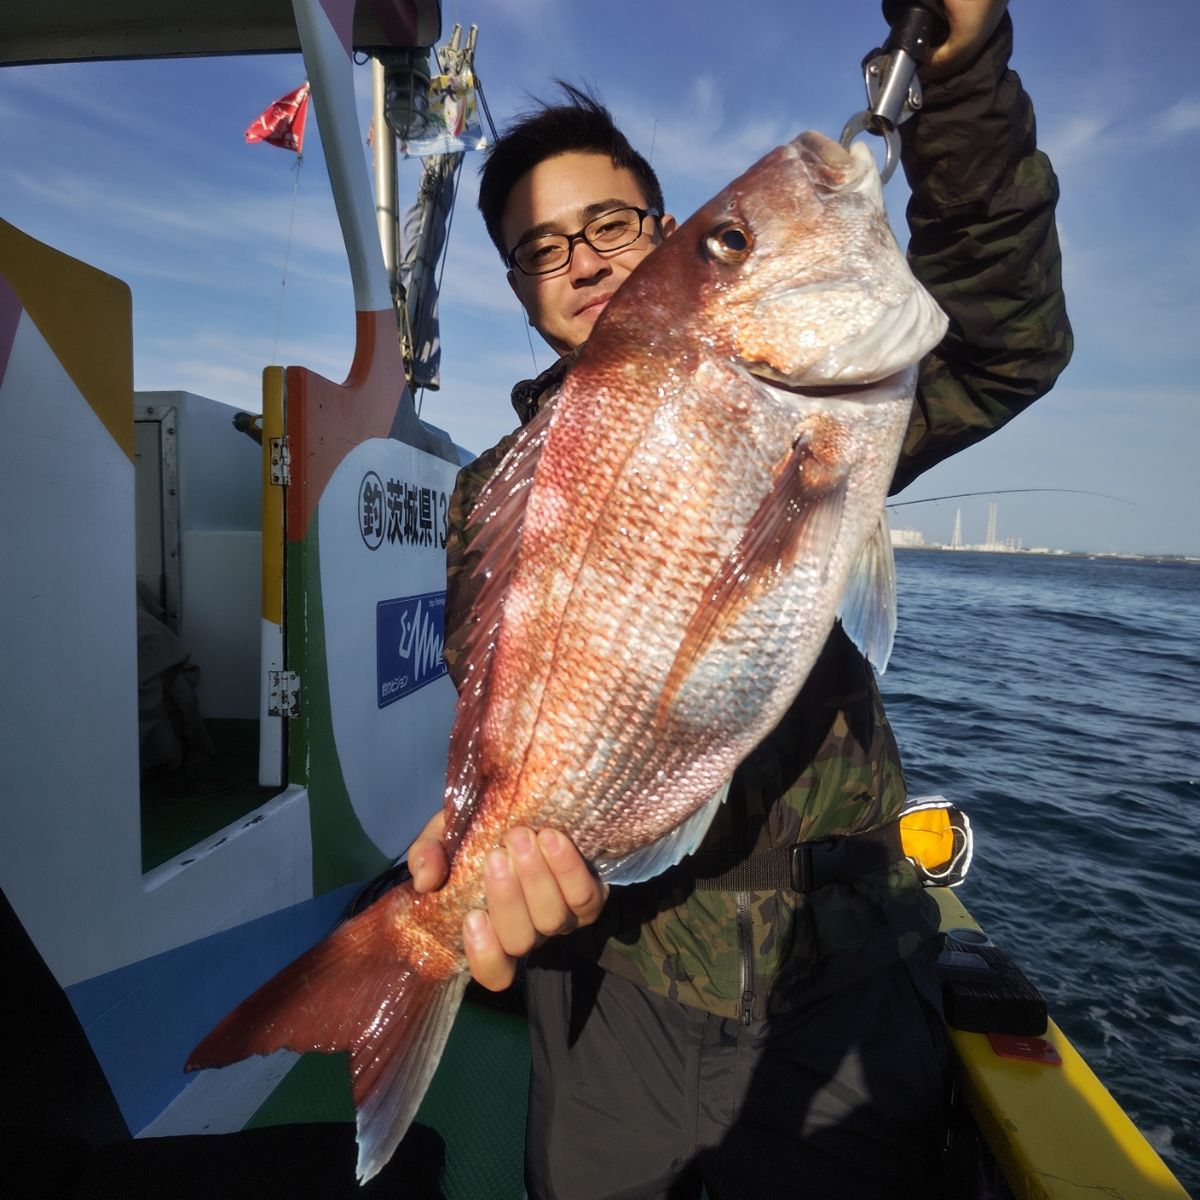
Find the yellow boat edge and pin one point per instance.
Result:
(1055, 1130)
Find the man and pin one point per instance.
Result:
(713, 1025)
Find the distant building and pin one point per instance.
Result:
(956, 537)
(907, 537)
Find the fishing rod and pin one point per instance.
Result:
(1008, 492)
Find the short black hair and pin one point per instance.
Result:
(581, 123)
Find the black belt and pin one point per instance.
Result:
(802, 867)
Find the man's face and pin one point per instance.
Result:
(561, 195)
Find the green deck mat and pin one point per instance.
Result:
(476, 1102)
(183, 808)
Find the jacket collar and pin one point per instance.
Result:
(530, 394)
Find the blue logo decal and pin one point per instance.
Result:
(408, 644)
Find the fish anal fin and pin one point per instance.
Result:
(799, 516)
(868, 608)
(670, 849)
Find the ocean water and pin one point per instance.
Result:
(1057, 700)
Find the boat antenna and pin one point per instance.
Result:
(1007, 492)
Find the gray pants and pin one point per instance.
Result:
(636, 1097)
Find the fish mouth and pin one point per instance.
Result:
(773, 381)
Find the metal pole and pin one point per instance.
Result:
(383, 148)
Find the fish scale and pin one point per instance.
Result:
(616, 722)
(662, 555)
(611, 607)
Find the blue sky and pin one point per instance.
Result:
(140, 169)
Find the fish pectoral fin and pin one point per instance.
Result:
(800, 516)
(670, 849)
(868, 609)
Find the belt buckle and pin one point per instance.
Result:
(804, 867)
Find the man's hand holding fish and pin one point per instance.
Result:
(537, 885)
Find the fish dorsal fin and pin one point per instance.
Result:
(799, 516)
(868, 609)
(670, 849)
(496, 522)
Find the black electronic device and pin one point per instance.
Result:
(984, 991)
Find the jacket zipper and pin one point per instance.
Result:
(745, 938)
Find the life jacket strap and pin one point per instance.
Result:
(800, 867)
(931, 832)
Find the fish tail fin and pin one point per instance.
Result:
(391, 1080)
(374, 987)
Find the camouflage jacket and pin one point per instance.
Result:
(984, 244)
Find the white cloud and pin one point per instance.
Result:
(58, 92)
(474, 409)
(180, 219)
(694, 141)
(227, 366)
(202, 271)
(1181, 118)
(1087, 139)
(474, 276)
(1074, 140)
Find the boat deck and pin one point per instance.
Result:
(187, 805)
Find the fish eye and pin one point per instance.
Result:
(729, 243)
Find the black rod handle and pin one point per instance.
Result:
(916, 28)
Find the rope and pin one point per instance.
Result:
(287, 253)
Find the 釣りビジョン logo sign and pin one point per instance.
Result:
(409, 634)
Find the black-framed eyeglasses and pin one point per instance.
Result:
(606, 234)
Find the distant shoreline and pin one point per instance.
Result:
(1041, 552)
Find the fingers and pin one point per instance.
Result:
(536, 886)
(583, 893)
(507, 905)
(427, 857)
(490, 964)
(971, 24)
(547, 889)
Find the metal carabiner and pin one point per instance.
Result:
(890, 74)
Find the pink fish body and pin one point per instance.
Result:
(664, 553)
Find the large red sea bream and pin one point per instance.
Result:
(665, 552)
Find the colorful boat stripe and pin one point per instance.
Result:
(98, 353)
(172, 999)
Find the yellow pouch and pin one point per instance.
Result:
(936, 838)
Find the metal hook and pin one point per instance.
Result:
(863, 123)
(890, 74)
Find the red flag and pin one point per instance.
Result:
(283, 123)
